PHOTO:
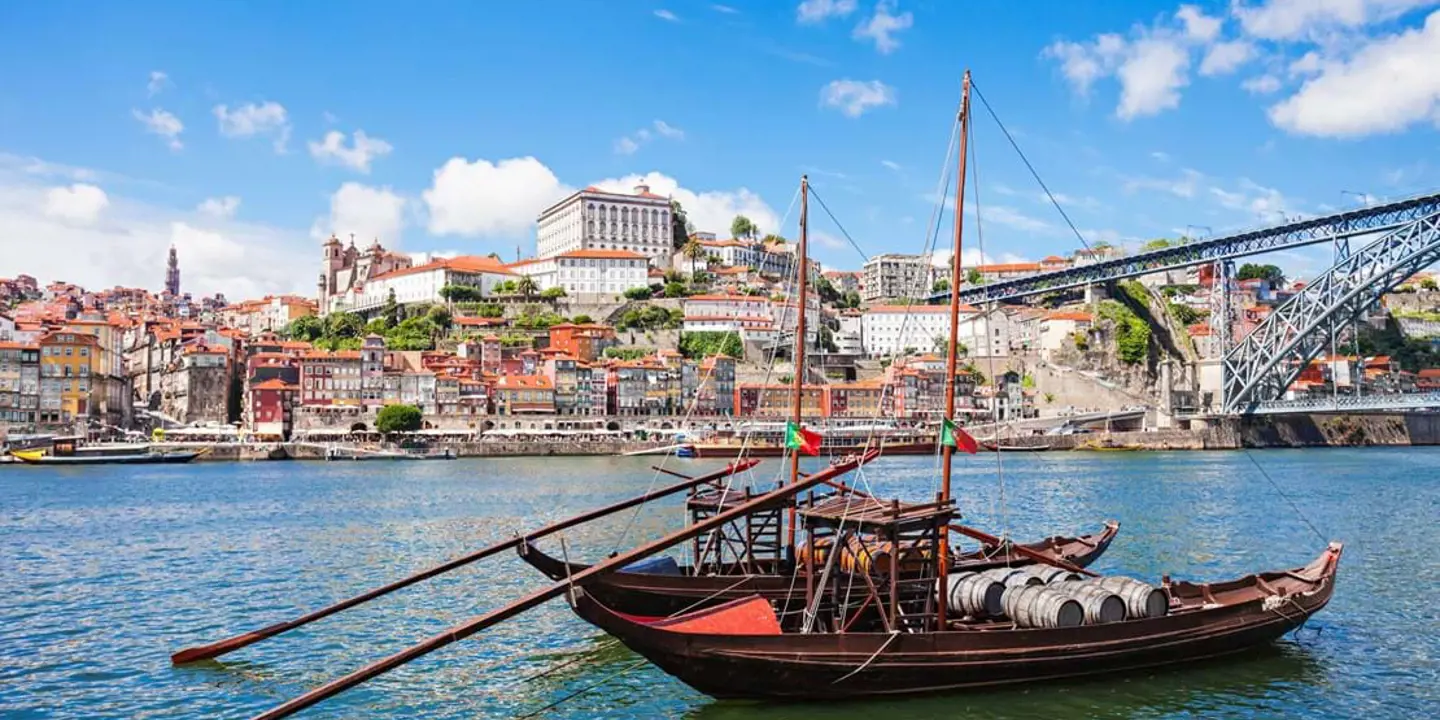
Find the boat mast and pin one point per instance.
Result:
(952, 357)
(801, 249)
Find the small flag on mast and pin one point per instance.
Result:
(952, 435)
(801, 440)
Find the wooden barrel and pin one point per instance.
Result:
(1101, 605)
(1142, 600)
(818, 547)
(1013, 577)
(975, 594)
(863, 555)
(1050, 575)
(1038, 606)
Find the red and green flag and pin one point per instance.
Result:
(801, 440)
(952, 435)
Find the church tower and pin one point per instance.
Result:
(172, 275)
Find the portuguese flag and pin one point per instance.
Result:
(957, 438)
(801, 440)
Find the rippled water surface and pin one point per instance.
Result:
(106, 571)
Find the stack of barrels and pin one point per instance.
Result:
(1046, 597)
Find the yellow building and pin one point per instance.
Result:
(68, 362)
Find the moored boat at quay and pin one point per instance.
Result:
(70, 451)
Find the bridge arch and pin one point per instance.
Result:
(1260, 367)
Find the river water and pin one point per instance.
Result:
(105, 571)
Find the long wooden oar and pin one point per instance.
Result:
(1040, 557)
(206, 652)
(474, 625)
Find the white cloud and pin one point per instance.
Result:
(666, 15)
(1084, 63)
(1198, 26)
(629, 144)
(1386, 86)
(1307, 64)
(368, 212)
(891, 164)
(80, 203)
(1160, 156)
(1151, 77)
(219, 207)
(724, 9)
(1261, 85)
(268, 118)
(128, 242)
(484, 199)
(709, 210)
(162, 123)
(826, 240)
(814, 11)
(854, 97)
(1253, 198)
(1009, 217)
(356, 157)
(882, 27)
(158, 82)
(1226, 57)
(626, 146)
(670, 131)
(1183, 186)
(1308, 19)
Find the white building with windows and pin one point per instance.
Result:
(595, 219)
(588, 272)
(895, 275)
(887, 330)
(422, 283)
(756, 319)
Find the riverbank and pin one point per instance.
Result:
(1289, 431)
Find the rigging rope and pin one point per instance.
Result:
(990, 354)
(1282, 494)
(1026, 160)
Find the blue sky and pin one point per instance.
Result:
(127, 127)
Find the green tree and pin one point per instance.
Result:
(1156, 244)
(827, 291)
(526, 286)
(1252, 271)
(675, 290)
(826, 338)
(344, 325)
(376, 327)
(851, 300)
(697, 345)
(694, 251)
(459, 293)
(440, 317)
(398, 418)
(1429, 284)
(639, 293)
(941, 285)
(582, 319)
(504, 287)
(390, 310)
(490, 310)
(620, 353)
(973, 277)
(742, 227)
(554, 293)
(679, 225)
(305, 329)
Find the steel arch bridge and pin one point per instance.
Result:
(1327, 228)
(1260, 367)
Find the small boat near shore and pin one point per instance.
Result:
(66, 451)
(996, 447)
(358, 454)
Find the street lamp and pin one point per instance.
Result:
(1366, 199)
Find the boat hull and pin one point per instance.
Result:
(664, 595)
(135, 459)
(832, 666)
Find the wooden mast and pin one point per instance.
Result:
(952, 357)
(802, 286)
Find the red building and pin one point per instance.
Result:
(271, 403)
(583, 342)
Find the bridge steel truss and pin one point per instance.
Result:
(1379, 218)
(1259, 368)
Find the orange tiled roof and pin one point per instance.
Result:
(274, 384)
(918, 308)
(1075, 315)
(460, 263)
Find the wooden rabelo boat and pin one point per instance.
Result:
(907, 622)
(69, 451)
(741, 650)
